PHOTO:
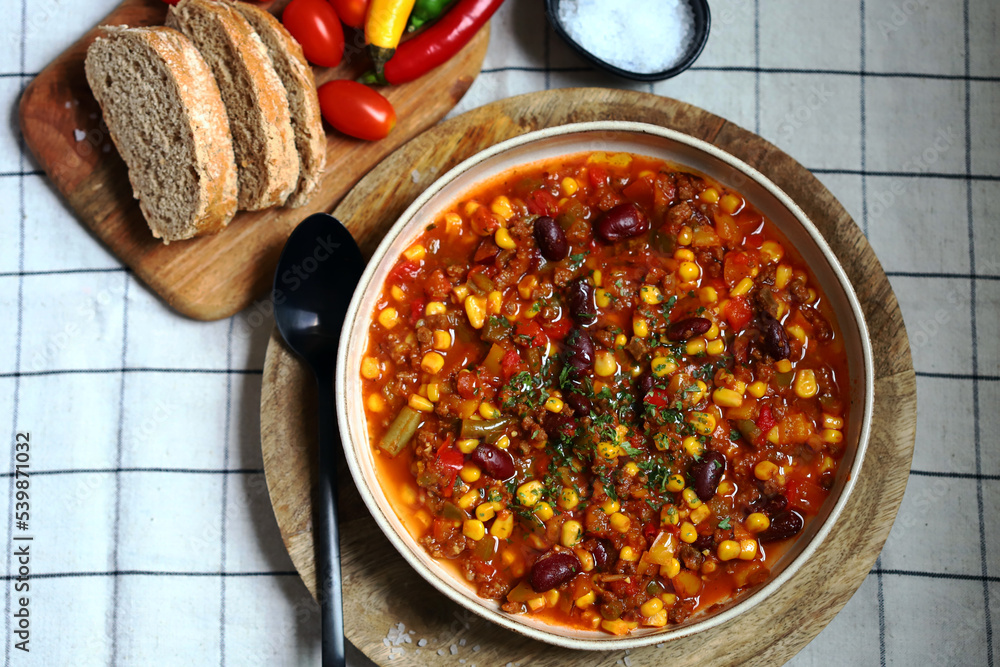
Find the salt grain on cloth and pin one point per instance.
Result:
(647, 40)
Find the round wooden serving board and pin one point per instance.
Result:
(381, 590)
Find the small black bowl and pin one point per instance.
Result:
(702, 23)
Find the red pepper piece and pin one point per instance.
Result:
(510, 365)
(805, 495)
(541, 202)
(404, 271)
(530, 333)
(448, 462)
(765, 420)
(739, 313)
(417, 307)
(559, 329)
(658, 398)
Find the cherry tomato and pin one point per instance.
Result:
(317, 28)
(355, 109)
(351, 12)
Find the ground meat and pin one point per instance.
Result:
(456, 272)
(797, 288)
(688, 186)
(605, 336)
(821, 328)
(424, 335)
(691, 557)
(679, 215)
(596, 521)
(523, 228)
(449, 407)
(710, 260)
(680, 611)
(765, 302)
(486, 252)
(638, 348)
(562, 275)
(451, 546)
(397, 348)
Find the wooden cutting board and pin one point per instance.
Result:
(381, 590)
(216, 276)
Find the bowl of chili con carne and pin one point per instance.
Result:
(605, 385)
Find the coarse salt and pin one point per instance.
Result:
(652, 39)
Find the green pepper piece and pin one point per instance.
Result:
(425, 11)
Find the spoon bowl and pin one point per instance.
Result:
(318, 270)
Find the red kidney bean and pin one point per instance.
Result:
(603, 553)
(707, 473)
(581, 349)
(493, 461)
(783, 525)
(558, 425)
(581, 404)
(775, 340)
(552, 571)
(550, 239)
(621, 222)
(704, 542)
(775, 505)
(581, 301)
(688, 328)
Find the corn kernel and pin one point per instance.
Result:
(728, 550)
(684, 255)
(529, 493)
(691, 498)
(370, 368)
(774, 436)
(631, 469)
(415, 252)
(685, 236)
(388, 318)
(460, 292)
(375, 403)
(640, 327)
(420, 403)
(713, 332)
(765, 470)
(474, 529)
(688, 271)
(504, 239)
(534, 604)
(782, 276)
(695, 346)
(703, 422)
(467, 445)
(397, 293)
(651, 606)
(568, 498)
(675, 483)
(730, 203)
(435, 308)
(488, 411)
(832, 421)
(605, 364)
(452, 222)
(797, 332)
(700, 514)
(688, 533)
(715, 347)
(611, 506)
(503, 442)
(503, 525)
(709, 195)
(827, 465)
(628, 554)
(621, 340)
(607, 451)
(742, 287)
(501, 206)
(651, 294)
(748, 549)
(805, 383)
(485, 511)
(669, 514)
(543, 511)
(533, 310)
(441, 340)
(554, 404)
(726, 487)
(526, 286)
(587, 599)
(602, 298)
(662, 366)
(571, 533)
(569, 186)
(620, 522)
(672, 568)
(475, 309)
(494, 301)
(598, 277)
(468, 499)
(434, 392)
(693, 446)
(432, 362)
(772, 250)
(708, 295)
(832, 436)
(757, 389)
(757, 522)
(783, 366)
(727, 398)
(470, 473)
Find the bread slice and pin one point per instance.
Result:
(259, 118)
(300, 87)
(166, 118)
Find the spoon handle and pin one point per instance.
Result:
(326, 534)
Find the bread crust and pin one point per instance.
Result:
(307, 121)
(270, 112)
(202, 107)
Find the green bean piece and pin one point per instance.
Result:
(483, 428)
(401, 431)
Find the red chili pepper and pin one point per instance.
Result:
(765, 421)
(436, 45)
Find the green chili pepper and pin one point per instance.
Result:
(425, 11)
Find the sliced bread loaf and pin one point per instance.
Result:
(300, 87)
(167, 119)
(255, 99)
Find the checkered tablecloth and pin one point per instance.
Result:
(154, 543)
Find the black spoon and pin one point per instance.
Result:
(313, 284)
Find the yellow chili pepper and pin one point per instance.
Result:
(384, 28)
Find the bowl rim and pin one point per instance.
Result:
(504, 620)
(702, 27)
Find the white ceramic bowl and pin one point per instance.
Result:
(609, 136)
